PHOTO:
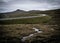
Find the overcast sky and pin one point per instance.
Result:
(11, 5)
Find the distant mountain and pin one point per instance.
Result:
(12, 14)
(35, 11)
(19, 13)
(55, 11)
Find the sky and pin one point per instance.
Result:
(11, 5)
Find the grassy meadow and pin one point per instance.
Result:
(36, 20)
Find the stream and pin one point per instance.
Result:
(40, 15)
(35, 29)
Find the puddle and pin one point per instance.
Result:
(37, 30)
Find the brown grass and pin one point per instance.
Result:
(17, 30)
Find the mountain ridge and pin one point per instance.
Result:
(18, 13)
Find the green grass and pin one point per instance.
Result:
(44, 19)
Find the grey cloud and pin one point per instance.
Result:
(17, 1)
(1, 2)
(8, 5)
(48, 1)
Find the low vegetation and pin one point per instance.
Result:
(15, 32)
(44, 19)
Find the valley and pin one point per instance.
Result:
(30, 27)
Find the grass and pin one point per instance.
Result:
(18, 30)
(44, 19)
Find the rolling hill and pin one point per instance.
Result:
(19, 13)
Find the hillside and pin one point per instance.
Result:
(52, 12)
(12, 14)
(19, 13)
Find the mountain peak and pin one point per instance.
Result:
(18, 10)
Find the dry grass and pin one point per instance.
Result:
(17, 30)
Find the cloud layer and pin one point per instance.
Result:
(11, 5)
